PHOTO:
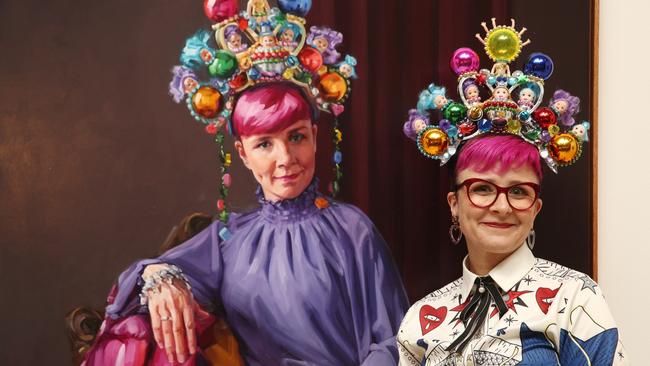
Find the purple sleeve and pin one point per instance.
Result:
(200, 260)
(379, 301)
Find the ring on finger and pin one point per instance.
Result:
(165, 318)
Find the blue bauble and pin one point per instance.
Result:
(484, 125)
(338, 157)
(539, 65)
(295, 7)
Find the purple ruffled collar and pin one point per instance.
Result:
(293, 209)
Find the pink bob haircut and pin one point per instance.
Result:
(270, 108)
(502, 152)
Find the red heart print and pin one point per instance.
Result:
(431, 318)
(545, 298)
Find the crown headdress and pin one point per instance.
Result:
(256, 46)
(559, 144)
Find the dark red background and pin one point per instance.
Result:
(97, 163)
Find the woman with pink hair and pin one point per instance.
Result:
(301, 280)
(508, 307)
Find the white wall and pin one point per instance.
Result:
(624, 169)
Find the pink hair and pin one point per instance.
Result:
(268, 109)
(485, 153)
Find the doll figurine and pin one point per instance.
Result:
(501, 94)
(197, 52)
(415, 124)
(580, 131)
(347, 67)
(432, 98)
(268, 57)
(258, 10)
(566, 106)
(288, 37)
(234, 40)
(528, 96)
(325, 41)
(183, 82)
(471, 92)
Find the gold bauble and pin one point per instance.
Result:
(564, 148)
(475, 113)
(207, 101)
(333, 86)
(434, 141)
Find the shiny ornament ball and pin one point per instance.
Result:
(218, 10)
(545, 117)
(238, 81)
(524, 116)
(333, 86)
(295, 7)
(539, 65)
(484, 125)
(467, 128)
(464, 60)
(434, 141)
(553, 130)
(444, 124)
(455, 112)
(475, 113)
(503, 44)
(224, 64)
(564, 148)
(311, 59)
(207, 101)
(513, 126)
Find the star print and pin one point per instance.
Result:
(620, 355)
(455, 333)
(588, 283)
(511, 299)
(510, 319)
(528, 280)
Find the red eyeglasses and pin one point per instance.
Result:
(483, 194)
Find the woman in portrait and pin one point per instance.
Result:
(301, 280)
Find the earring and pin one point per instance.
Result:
(530, 239)
(454, 231)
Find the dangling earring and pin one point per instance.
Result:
(530, 239)
(454, 230)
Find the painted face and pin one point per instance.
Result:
(439, 101)
(471, 92)
(579, 131)
(283, 162)
(287, 35)
(561, 106)
(346, 70)
(501, 93)
(268, 41)
(498, 229)
(419, 125)
(321, 44)
(234, 41)
(526, 95)
(189, 84)
(206, 55)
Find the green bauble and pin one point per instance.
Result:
(455, 112)
(224, 65)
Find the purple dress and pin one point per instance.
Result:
(299, 285)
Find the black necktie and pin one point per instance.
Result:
(474, 314)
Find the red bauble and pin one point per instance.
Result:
(545, 117)
(218, 10)
(311, 59)
(238, 81)
(480, 79)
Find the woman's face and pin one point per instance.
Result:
(498, 229)
(283, 163)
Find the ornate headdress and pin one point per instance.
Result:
(558, 145)
(257, 46)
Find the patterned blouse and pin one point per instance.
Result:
(554, 316)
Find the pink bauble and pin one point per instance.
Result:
(218, 10)
(464, 60)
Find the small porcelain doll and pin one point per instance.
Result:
(501, 94)
(566, 106)
(258, 10)
(432, 98)
(471, 92)
(268, 56)
(528, 96)
(234, 40)
(347, 67)
(197, 52)
(415, 124)
(183, 82)
(288, 37)
(581, 131)
(325, 41)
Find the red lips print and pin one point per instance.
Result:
(431, 318)
(545, 298)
